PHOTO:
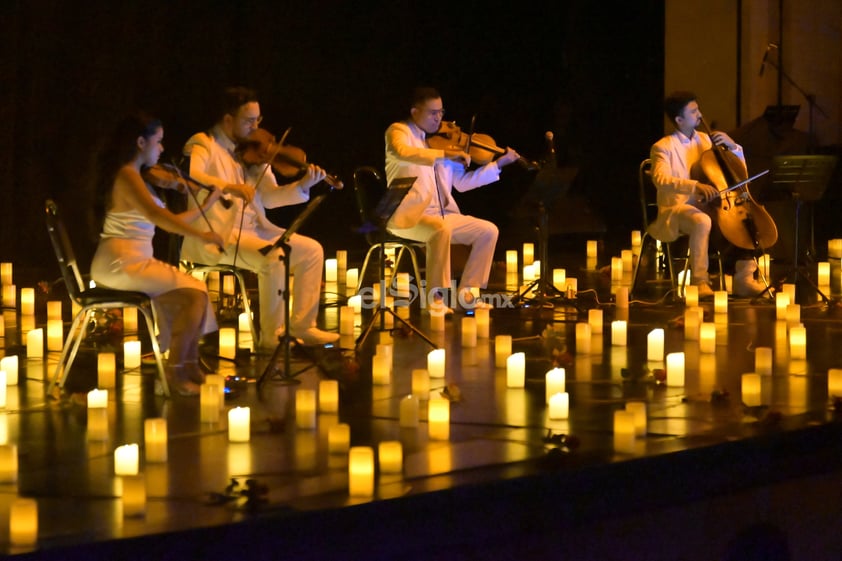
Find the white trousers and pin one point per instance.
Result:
(440, 232)
(695, 224)
(306, 262)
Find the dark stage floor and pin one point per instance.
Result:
(507, 483)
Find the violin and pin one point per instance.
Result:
(289, 161)
(741, 220)
(481, 147)
(168, 176)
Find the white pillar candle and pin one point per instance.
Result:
(27, 324)
(616, 268)
(244, 339)
(516, 370)
(23, 522)
(420, 383)
(305, 408)
(595, 321)
(469, 332)
(361, 471)
(239, 424)
(556, 382)
(55, 334)
(638, 409)
(624, 431)
(97, 399)
(219, 381)
(591, 249)
(9, 364)
(341, 262)
(2, 391)
(54, 309)
(636, 238)
(627, 258)
(390, 456)
(502, 350)
(134, 495)
(131, 354)
(126, 459)
(209, 403)
(834, 382)
(356, 302)
(559, 405)
(381, 369)
(621, 297)
(27, 301)
(583, 338)
(483, 317)
(675, 369)
(129, 320)
(328, 396)
(35, 343)
(402, 285)
(330, 270)
(106, 370)
(438, 418)
(720, 302)
(352, 278)
(707, 337)
(408, 414)
(619, 333)
(655, 345)
(155, 439)
(763, 361)
(227, 342)
(10, 296)
(529, 273)
(8, 463)
(691, 295)
(798, 343)
(559, 276)
(435, 363)
(347, 318)
(789, 288)
(228, 285)
(528, 253)
(6, 273)
(751, 389)
(834, 250)
(339, 438)
(511, 261)
(781, 304)
(436, 321)
(823, 273)
(793, 314)
(691, 323)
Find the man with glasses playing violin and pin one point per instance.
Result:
(429, 213)
(245, 227)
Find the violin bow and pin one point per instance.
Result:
(196, 200)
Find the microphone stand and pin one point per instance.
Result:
(811, 103)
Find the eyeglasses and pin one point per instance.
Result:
(436, 112)
(252, 121)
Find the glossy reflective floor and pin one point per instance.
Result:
(507, 482)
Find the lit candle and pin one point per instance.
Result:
(655, 345)
(328, 396)
(583, 338)
(244, 339)
(106, 370)
(793, 314)
(469, 332)
(305, 408)
(691, 295)
(529, 273)
(23, 522)
(209, 403)
(239, 424)
(528, 253)
(781, 304)
(823, 273)
(627, 258)
(572, 286)
(54, 309)
(436, 321)
(55, 334)
(621, 297)
(2, 391)
(27, 301)
(219, 381)
(9, 364)
(834, 382)
(619, 333)
(347, 318)
(10, 296)
(595, 320)
(556, 381)
(402, 285)
(483, 317)
(638, 409)
(624, 431)
(408, 416)
(155, 439)
(35, 343)
(97, 399)
(131, 354)
(511, 262)
(789, 288)
(438, 418)
(636, 238)
(435, 363)
(381, 369)
(616, 268)
(420, 383)
(763, 361)
(8, 463)
(339, 438)
(126, 459)
(516, 370)
(834, 250)
(356, 302)
(691, 323)
(675, 369)
(228, 285)
(352, 277)
(129, 320)
(6, 273)
(341, 263)
(227, 342)
(707, 337)
(559, 406)
(134, 495)
(798, 343)
(361, 471)
(390, 456)
(591, 249)
(502, 350)
(720, 302)
(751, 384)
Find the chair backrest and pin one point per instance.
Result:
(648, 193)
(64, 252)
(369, 188)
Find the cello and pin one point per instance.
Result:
(742, 221)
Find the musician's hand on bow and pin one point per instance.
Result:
(241, 190)
(457, 155)
(313, 175)
(214, 239)
(705, 192)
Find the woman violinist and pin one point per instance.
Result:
(124, 261)
(681, 198)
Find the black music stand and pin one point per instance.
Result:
(386, 207)
(287, 376)
(806, 178)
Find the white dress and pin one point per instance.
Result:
(124, 261)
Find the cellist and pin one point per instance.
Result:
(681, 198)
